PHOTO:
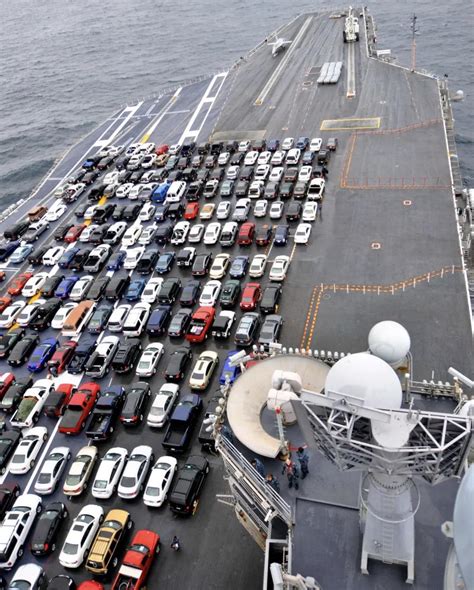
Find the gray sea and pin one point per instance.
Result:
(65, 65)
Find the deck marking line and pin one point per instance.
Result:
(162, 113)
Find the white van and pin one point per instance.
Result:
(176, 191)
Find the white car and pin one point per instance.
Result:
(244, 146)
(28, 312)
(52, 470)
(315, 144)
(57, 210)
(123, 190)
(279, 268)
(136, 160)
(112, 177)
(115, 232)
(81, 287)
(288, 143)
(15, 527)
(9, 314)
(260, 208)
(241, 210)
(316, 189)
(196, 232)
(210, 294)
(223, 159)
(257, 266)
(305, 173)
(212, 233)
(276, 174)
(251, 158)
(264, 157)
(180, 232)
(233, 172)
(33, 285)
(147, 235)
(278, 158)
(24, 457)
(262, 172)
(203, 370)
(159, 482)
(80, 470)
(149, 360)
(118, 317)
(52, 256)
(219, 266)
(87, 232)
(31, 404)
(80, 536)
(302, 234)
(61, 315)
(174, 149)
(28, 577)
(207, 211)
(132, 257)
(152, 288)
(256, 189)
(293, 157)
(89, 212)
(223, 210)
(310, 210)
(135, 192)
(146, 212)
(134, 475)
(137, 319)
(130, 237)
(109, 472)
(149, 161)
(162, 405)
(276, 210)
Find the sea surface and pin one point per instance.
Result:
(66, 65)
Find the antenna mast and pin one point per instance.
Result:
(414, 30)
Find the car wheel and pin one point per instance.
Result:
(20, 551)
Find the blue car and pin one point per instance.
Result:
(239, 267)
(41, 355)
(158, 320)
(89, 164)
(135, 289)
(281, 235)
(227, 371)
(273, 145)
(160, 192)
(116, 260)
(65, 287)
(302, 143)
(67, 257)
(165, 262)
(21, 254)
(7, 249)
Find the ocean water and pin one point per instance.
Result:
(67, 65)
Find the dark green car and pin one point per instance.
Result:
(230, 293)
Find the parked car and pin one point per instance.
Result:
(187, 486)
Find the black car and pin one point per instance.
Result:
(247, 173)
(180, 322)
(48, 525)
(22, 350)
(99, 318)
(187, 485)
(127, 355)
(323, 156)
(118, 213)
(247, 329)
(77, 263)
(242, 188)
(190, 293)
(102, 213)
(117, 286)
(169, 290)
(14, 394)
(203, 175)
(286, 190)
(189, 174)
(60, 232)
(130, 213)
(231, 145)
(270, 298)
(8, 340)
(50, 285)
(8, 443)
(291, 175)
(8, 494)
(147, 261)
(90, 177)
(158, 320)
(36, 257)
(210, 161)
(281, 235)
(202, 264)
(136, 176)
(44, 315)
(81, 355)
(217, 174)
(160, 213)
(164, 232)
(98, 288)
(188, 148)
(136, 399)
(81, 209)
(16, 231)
(105, 162)
(176, 210)
(177, 364)
(122, 162)
(272, 190)
(300, 191)
(183, 163)
(230, 293)
(61, 582)
(185, 257)
(97, 234)
(237, 159)
(165, 262)
(175, 175)
(293, 213)
(217, 147)
(263, 234)
(194, 190)
(203, 148)
(96, 193)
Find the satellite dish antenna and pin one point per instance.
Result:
(389, 341)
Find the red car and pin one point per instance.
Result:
(3, 275)
(57, 363)
(250, 296)
(90, 585)
(18, 283)
(74, 233)
(191, 211)
(5, 302)
(6, 380)
(201, 322)
(137, 561)
(162, 149)
(78, 409)
(58, 399)
(246, 234)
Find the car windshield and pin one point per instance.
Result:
(19, 458)
(128, 482)
(152, 491)
(70, 548)
(73, 480)
(20, 585)
(100, 484)
(44, 478)
(143, 365)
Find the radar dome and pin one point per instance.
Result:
(368, 377)
(389, 341)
